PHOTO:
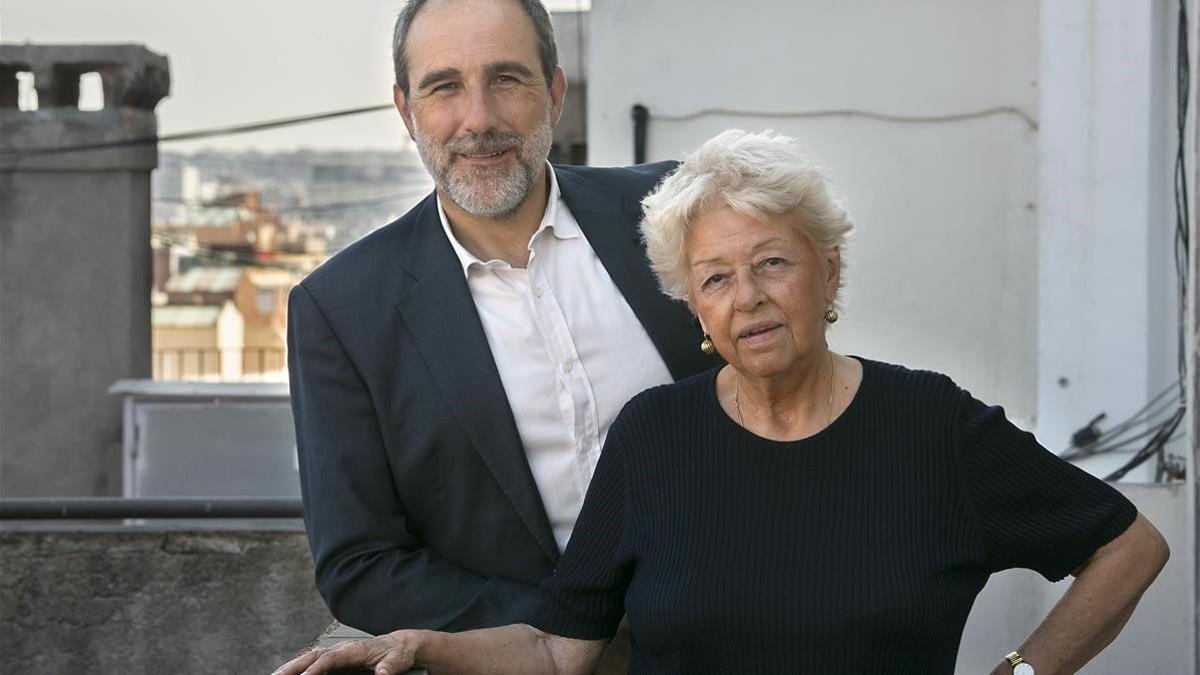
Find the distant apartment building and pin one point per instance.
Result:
(222, 323)
(222, 272)
(198, 342)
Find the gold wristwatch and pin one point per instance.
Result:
(1019, 665)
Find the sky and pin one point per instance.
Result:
(237, 61)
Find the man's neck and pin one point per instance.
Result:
(504, 239)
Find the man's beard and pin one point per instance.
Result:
(492, 192)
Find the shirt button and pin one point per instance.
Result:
(537, 291)
(567, 366)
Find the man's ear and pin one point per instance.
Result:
(558, 93)
(401, 102)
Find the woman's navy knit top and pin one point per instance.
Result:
(857, 550)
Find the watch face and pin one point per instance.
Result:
(1023, 669)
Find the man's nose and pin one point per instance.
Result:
(480, 114)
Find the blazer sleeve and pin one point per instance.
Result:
(371, 568)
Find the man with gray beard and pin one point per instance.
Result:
(454, 373)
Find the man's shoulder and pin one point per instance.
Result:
(621, 175)
(639, 178)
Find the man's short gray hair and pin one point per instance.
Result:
(533, 9)
(755, 174)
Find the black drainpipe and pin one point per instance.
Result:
(641, 116)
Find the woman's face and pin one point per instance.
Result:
(759, 289)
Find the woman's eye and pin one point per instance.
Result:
(713, 280)
(772, 262)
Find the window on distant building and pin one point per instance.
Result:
(266, 301)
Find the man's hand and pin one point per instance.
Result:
(506, 649)
(389, 654)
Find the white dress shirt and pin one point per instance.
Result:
(569, 349)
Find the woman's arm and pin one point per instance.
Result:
(1101, 599)
(507, 649)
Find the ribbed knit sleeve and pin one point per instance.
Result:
(1033, 509)
(584, 598)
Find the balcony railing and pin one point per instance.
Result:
(213, 364)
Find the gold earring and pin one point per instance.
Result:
(707, 346)
(831, 315)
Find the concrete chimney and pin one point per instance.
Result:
(75, 261)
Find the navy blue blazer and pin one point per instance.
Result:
(420, 506)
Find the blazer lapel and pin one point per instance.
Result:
(609, 221)
(440, 314)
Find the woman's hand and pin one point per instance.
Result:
(389, 654)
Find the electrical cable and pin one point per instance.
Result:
(1138, 419)
(1152, 448)
(1113, 443)
(1139, 416)
(1164, 432)
(850, 112)
(1182, 211)
(20, 153)
(1129, 449)
(1183, 80)
(215, 161)
(224, 256)
(309, 208)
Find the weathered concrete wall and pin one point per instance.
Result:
(74, 264)
(136, 600)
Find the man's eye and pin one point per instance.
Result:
(445, 87)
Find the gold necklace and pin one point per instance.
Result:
(829, 405)
(737, 380)
(737, 404)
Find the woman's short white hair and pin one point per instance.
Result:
(756, 174)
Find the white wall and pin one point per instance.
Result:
(943, 267)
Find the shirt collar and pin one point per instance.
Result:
(560, 224)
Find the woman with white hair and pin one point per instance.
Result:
(798, 510)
